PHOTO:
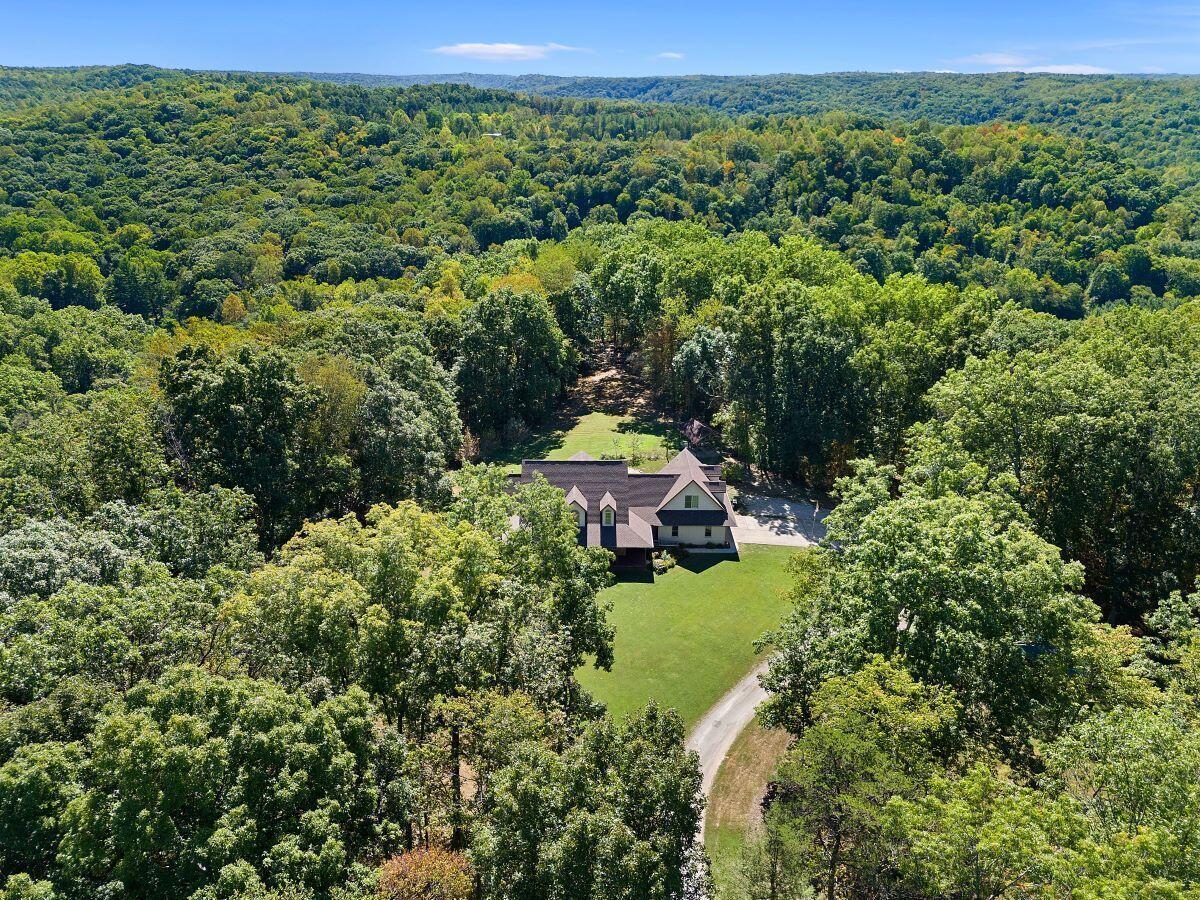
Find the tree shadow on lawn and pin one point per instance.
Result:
(643, 424)
(536, 446)
(546, 438)
(538, 442)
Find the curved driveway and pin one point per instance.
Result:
(762, 519)
(718, 728)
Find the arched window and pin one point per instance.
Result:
(609, 517)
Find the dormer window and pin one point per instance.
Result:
(608, 509)
(579, 506)
(691, 501)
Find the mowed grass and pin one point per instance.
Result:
(647, 445)
(724, 846)
(734, 805)
(687, 637)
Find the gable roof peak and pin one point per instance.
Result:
(683, 461)
(689, 470)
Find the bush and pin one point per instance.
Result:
(734, 472)
(664, 562)
(432, 874)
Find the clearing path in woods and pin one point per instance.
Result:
(609, 412)
(734, 811)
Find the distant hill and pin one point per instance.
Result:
(24, 87)
(1156, 118)
(529, 83)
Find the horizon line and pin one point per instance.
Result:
(663, 76)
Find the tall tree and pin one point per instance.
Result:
(239, 421)
(514, 363)
(956, 589)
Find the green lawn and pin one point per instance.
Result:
(687, 637)
(724, 844)
(646, 445)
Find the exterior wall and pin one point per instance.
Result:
(693, 535)
(705, 501)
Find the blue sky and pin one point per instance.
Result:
(617, 37)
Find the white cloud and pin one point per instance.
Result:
(669, 54)
(1004, 61)
(505, 52)
(1069, 69)
(1009, 60)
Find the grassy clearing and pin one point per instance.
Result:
(724, 847)
(646, 444)
(733, 808)
(687, 637)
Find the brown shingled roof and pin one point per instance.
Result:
(637, 498)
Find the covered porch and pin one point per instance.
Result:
(631, 557)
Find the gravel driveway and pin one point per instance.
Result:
(715, 733)
(778, 520)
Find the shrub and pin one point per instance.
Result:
(734, 472)
(432, 874)
(663, 562)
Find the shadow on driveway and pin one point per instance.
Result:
(786, 521)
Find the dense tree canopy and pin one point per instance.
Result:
(266, 632)
(1153, 116)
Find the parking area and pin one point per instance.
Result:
(785, 521)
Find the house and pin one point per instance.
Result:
(686, 503)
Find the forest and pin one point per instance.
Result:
(266, 630)
(1154, 117)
